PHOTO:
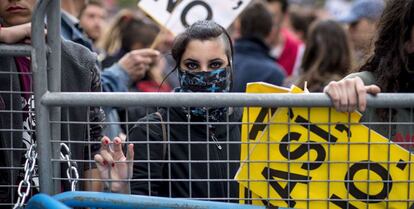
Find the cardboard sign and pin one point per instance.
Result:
(176, 15)
(254, 123)
(315, 157)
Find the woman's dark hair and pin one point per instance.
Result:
(126, 29)
(327, 55)
(389, 61)
(201, 30)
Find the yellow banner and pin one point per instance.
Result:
(255, 120)
(301, 161)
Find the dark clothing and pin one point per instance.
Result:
(79, 74)
(194, 160)
(252, 63)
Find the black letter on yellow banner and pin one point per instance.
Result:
(291, 180)
(259, 124)
(302, 150)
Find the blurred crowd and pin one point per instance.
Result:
(292, 43)
(277, 42)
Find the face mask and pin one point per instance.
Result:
(213, 81)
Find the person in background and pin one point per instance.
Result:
(70, 28)
(327, 56)
(362, 20)
(79, 74)
(300, 19)
(115, 78)
(206, 72)
(285, 46)
(92, 19)
(251, 60)
(167, 62)
(389, 69)
(129, 32)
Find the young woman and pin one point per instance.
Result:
(327, 56)
(201, 159)
(389, 69)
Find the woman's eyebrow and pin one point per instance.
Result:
(191, 60)
(216, 59)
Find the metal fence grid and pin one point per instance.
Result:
(199, 174)
(17, 113)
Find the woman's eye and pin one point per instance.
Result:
(216, 65)
(191, 66)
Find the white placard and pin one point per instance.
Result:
(176, 17)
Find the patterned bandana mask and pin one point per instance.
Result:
(213, 81)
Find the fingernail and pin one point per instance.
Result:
(116, 141)
(113, 164)
(106, 141)
(104, 162)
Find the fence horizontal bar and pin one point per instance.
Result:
(15, 50)
(111, 200)
(43, 201)
(400, 100)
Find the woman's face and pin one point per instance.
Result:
(204, 55)
(16, 12)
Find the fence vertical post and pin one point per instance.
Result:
(39, 69)
(54, 80)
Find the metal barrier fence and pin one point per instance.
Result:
(17, 104)
(304, 156)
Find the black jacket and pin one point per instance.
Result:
(194, 165)
(252, 63)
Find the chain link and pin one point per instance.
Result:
(72, 171)
(29, 167)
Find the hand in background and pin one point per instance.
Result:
(137, 62)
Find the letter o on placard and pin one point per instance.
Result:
(190, 6)
(379, 170)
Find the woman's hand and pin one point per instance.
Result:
(15, 34)
(111, 163)
(349, 94)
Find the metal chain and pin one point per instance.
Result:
(29, 167)
(72, 171)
